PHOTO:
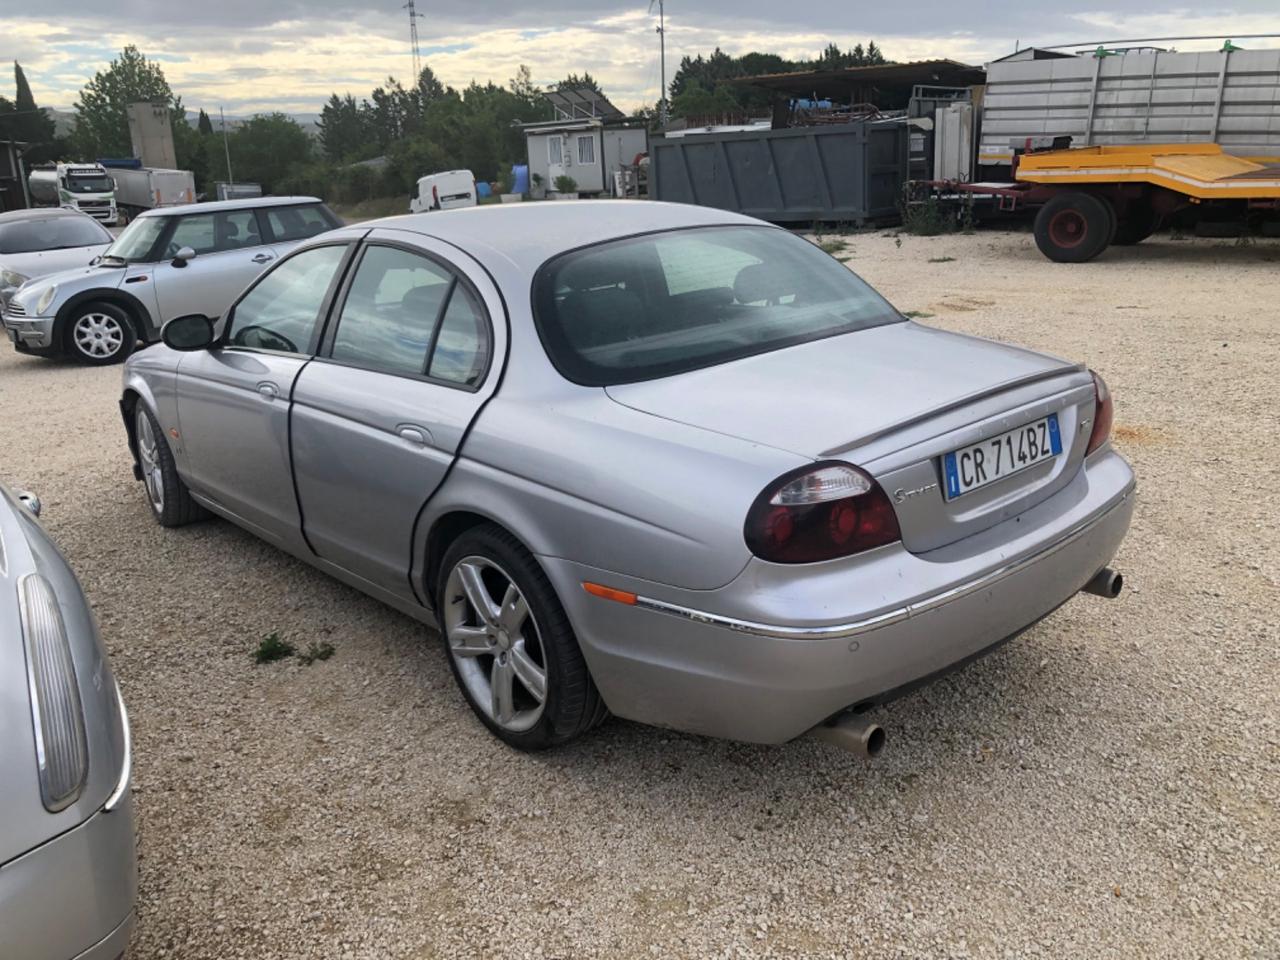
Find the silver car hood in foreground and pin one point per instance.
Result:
(822, 397)
(24, 822)
(40, 263)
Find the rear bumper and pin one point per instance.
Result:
(72, 898)
(764, 659)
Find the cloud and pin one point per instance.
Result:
(251, 56)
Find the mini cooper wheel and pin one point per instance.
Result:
(510, 644)
(100, 333)
(167, 495)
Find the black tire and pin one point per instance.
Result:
(170, 500)
(99, 333)
(1074, 227)
(572, 704)
(1140, 221)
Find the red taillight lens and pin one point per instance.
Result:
(435, 196)
(1104, 412)
(820, 512)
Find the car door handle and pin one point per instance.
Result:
(418, 436)
(263, 258)
(268, 390)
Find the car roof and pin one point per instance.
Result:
(529, 234)
(215, 206)
(40, 213)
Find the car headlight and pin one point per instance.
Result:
(62, 754)
(46, 298)
(12, 278)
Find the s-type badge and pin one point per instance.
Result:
(902, 496)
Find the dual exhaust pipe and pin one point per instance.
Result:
(866, 738)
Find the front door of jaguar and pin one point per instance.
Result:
(379, 415)
(233, 400)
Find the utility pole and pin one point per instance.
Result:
(662, 42)
(413, 40)
(226, 144)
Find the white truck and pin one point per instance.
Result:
(86, 187)
(146, 188)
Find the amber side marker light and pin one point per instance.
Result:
(608, 593)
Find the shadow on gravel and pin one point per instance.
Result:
(937, 736)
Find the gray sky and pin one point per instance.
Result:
(286, 55)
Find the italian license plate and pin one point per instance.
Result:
(1000, 456)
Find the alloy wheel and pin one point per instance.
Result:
(495, 644)
(98, 335)
(152, 475)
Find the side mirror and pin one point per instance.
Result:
(30, 501)
(192, 332)
(182, 256)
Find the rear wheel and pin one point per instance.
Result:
(1140, 221)
(1074, 227)
(510, 644)
(100, 333)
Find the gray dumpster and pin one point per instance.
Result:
(849, 172)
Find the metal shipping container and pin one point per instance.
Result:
(1230, 98)
(849, 172)
(145, 188)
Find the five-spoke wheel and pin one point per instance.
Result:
(510, 644)
(494, 641)
(149, 460)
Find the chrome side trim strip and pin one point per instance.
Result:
(855, 628)
(126, 768)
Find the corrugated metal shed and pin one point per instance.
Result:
(1231, 98)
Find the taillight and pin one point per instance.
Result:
(820, 512)
(435, 196)
(1103, 414)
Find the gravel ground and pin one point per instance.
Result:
(1104, 787)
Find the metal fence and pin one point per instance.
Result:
(851, 172)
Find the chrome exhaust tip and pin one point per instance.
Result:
(1105, 583)
(852, 733)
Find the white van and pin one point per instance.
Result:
(444, 191)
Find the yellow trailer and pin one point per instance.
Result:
(1092, 197)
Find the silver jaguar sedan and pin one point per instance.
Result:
(653, 460)
(68, 870)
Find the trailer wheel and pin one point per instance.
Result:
(1074, 227)
(1140, 221)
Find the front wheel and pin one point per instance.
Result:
(510, 644)
(170, 500)
(100, 333)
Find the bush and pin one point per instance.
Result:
(565, 184)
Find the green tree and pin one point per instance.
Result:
(21, 119)
(702, 106)
(343, 131)
(102, 123)
(573, 81)
(265, 147)
(203, 124)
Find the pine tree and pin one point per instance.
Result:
(204, 124)
(28, 122)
